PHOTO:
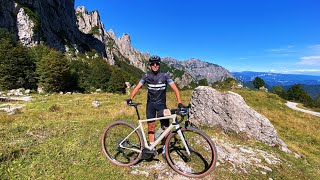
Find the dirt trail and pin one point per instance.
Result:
(293, 105)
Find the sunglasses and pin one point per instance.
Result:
(155, 64)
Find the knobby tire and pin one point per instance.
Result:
(115, 133)
(203, 153)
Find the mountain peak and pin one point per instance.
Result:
(199, 69)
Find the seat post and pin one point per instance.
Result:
(136, 106)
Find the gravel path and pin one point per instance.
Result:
(293, 105)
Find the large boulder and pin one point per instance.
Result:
(229, 111)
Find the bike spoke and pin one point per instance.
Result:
(127, 154)
(202, 156)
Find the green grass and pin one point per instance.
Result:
(58, 137)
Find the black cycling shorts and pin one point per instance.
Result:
(154, 109)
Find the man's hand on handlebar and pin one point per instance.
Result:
(129, 101)
(180, 106)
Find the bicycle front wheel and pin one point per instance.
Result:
(121, 147)
(203, 154)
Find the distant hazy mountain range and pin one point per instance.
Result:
(311, 84)
(273, 79)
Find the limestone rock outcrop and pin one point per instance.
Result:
(230, 112)
(184, 81)
(90, 23)
(50, 21)
(25, 28)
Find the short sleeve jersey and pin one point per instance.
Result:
(157, 85)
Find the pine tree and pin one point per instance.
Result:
(79, 75)
(258, 82)
(53, 72)
(17, 69)
(203, 82)
(279, 91)
(117, 81)
(296, 93)
(100, 74)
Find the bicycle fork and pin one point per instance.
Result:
(183, 140)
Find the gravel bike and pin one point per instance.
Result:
(188, 150)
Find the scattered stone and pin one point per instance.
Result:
(40, 90)
(138, 172)
(27, 91)
(128, 85)
(242, 158)
(264, 167)
(23, 98)
(96, 104)
(263, 89)
(11, 109)
(15, 92)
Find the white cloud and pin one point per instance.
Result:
(315, 49)
(288, 48)
(310, 60)
(276, 50)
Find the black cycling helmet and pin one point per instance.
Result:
(154, 59)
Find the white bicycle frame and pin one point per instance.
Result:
(163, 134)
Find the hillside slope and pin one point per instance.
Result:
(57, 136)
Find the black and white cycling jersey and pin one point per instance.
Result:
(157, 85)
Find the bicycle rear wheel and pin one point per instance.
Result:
(118, 133)
(202, 159)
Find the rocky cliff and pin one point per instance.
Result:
(52, 22)
(57, 24)
(199, 69)
(90, 23)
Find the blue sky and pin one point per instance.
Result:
(280, 36)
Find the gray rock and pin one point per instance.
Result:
(25, 28)
(40, 90)
(128, 85)
(27, 91)
(96, 104)
(229, 111)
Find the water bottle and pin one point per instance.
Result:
(158, 133)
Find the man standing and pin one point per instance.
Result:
(157, 83)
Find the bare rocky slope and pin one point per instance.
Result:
(200, 70)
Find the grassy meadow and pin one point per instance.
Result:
(58, 137)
